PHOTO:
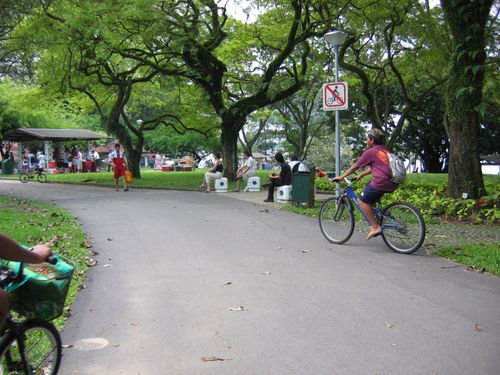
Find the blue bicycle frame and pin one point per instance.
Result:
(349, 191)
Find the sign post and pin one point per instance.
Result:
(335, 96)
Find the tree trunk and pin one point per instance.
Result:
(467, 20)
(431, 159)
(229, 140)
(231, 125)
(134, 162)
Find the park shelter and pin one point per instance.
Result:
(50, 136)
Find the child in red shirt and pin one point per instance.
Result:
(120, 165)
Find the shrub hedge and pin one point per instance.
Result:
(429, 196)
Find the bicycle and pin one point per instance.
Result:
(29, 174)
(33, 345)
(403, 227)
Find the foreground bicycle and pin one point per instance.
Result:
(32, 345)
(28, 174)
(403, 228)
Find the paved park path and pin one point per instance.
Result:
(173, 265)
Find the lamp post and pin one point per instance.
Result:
(336, 39)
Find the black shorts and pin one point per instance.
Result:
(371, 194)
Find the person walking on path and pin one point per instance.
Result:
(97, 160)
(214, 173)
(284, 178)
(117, 156)
(377, 159)
(246, 171)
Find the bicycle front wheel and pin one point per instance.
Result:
(42, 344)
(23, 177)
(403, 228)
(42, 178)
(336, 220)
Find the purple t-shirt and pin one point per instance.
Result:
(378, 160)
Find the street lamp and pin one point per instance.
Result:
(336, 39)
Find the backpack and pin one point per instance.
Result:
(397, 168)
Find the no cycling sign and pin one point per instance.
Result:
(334, 96)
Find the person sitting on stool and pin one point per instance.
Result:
(284, 178)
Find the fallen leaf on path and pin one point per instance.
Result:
(228, 283)
(477, 328)
(482, 270)
(81, 286)
(108, 265)
(213, 359)
(110, 238)
(86, 244)
(266, 273)
(278, 248)
(428, 253)
(93, 253)
(67, 346)
(388, 325)
(91, 262)
(305, 251)
(239, 308)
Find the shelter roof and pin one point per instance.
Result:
(34, 134)
(258, 155)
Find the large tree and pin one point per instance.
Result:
(78, 51)
(395, 54)
(467, 21)
(241, 67)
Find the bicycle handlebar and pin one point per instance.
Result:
(9, 275)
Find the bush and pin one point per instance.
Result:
(429, 196)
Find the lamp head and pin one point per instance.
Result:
(335, 38)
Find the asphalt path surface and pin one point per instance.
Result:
(173, 265)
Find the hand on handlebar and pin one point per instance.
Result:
(42, 251)
(336, 179)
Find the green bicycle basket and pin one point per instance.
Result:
(42, 292)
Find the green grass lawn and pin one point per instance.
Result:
(148, 180)
(481, 256)
(32, 222)
(192, 180)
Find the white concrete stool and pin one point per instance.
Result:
(221, 185)
(284, 193)
(253, 184)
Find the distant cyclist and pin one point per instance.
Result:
(377, 159)
(11, 250)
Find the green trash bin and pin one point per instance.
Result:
(303, 185)
(7, 166)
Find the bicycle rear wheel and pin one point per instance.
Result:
(336, 220)
(42, 178)
(23, 177)
(42, 347)
(403, 228)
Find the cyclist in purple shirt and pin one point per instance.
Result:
(377, 159)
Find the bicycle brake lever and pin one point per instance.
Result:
(51, 259)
